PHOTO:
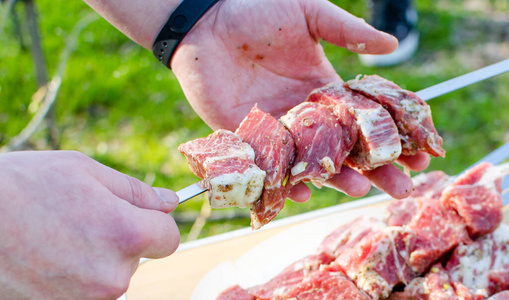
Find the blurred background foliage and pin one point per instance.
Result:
(120, 106)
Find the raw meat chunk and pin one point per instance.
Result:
(401, 212)
(350, 234)
(437, 231)
(483, 266)
(319, 138)
(379, 263)
(227, 166)
(427, 185)
(476, 196)
(290, 277)
(377, 142)
(274, 150)
(436, 285)
(430, 185)
(411, 114)
(328, 283)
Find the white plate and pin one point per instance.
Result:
(270, 257)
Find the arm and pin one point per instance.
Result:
(75, 229)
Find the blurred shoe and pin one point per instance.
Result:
(398, 18)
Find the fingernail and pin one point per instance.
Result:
(166, 196)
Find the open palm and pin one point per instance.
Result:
(267, 52)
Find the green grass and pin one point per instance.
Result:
(118, 105)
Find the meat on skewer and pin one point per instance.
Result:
(227, 166)
(410, 113)
(319, 139)
(335, 126)
(274, 150)
(371, 127)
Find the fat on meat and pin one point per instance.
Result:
(227, 166)
(319, 139)
(274, 153)
(477, 197)
(411, 114)
(435, 285)
(379, 263)
(483, 265)
(372, 129)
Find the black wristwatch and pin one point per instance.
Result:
(180, 22)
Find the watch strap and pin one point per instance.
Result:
(187, 14)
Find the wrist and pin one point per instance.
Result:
(179, 24)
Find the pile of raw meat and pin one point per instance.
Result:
(363, 123)
(445, 241)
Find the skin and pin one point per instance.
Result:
(72, 228)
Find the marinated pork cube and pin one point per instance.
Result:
(274, 150)
(290, 277)
(227, 166)
(435, 285)
(483, 266)
(437, 231)
(477, 197)
(320, 143)
(350, 234)
(401, 212)
(377, 142)
(411, 114)
(328, 283)
(430, 185)
(379, 263)
(427, 185)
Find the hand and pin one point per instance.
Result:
(267, 52)
(72, 228)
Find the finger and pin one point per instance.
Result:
(133, 190)
(391, 180)
(418, 162)
(350, 182)
(300, 193)
(158, 234)
(338, 27)
(169, 197)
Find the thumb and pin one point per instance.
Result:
(336, 26)
(133, 190)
